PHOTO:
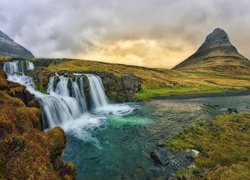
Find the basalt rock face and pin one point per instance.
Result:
(216, 54)
(121, 89)
(25, 151)
(11, 49)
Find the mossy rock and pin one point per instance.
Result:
(57, 141)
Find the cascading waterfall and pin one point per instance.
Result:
(97, 93)
(68, 88)
(65, 99)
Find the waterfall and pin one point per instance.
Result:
(11, 68)
(65, 99)
(66, 87)
(97, 93)
(58, 109)
(78, 92)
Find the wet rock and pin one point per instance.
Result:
(229, 110)
(161, 156)
(161, 143)
(121, 89)
(233, 111)
(86, 89)
(173, 162)
(27, 98)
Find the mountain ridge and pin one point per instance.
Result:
(8, 47)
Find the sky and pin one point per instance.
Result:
(151, 33)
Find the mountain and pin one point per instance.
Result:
(216, 54)
(10, 48)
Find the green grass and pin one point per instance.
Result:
(224, 146)
(209, 89)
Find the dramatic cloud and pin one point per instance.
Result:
(155, 33)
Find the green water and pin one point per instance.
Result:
(120, 148)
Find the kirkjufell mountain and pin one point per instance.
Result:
(216, 54)
(11, 49)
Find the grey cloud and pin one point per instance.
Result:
(63, 28)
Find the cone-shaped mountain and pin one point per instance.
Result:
(216, 54)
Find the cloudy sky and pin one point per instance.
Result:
(153, 33)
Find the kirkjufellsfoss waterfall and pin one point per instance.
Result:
(65, 102)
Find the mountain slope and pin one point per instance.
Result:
(216, 54)
(10, 48)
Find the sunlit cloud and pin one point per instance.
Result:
(143, 52)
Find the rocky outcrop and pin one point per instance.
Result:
(18, 91)
(216, 54)
(25, 151)
(121, 89)
(169, 162)
(11, 49)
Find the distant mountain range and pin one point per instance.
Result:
(10, 48)
(216, 54)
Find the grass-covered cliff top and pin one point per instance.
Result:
(224, 146)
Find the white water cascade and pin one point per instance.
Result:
(97, 93)
(64, 104)
(17, 67)
(66, 87)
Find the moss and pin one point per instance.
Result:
(185, 172)
(223, 145)
(57, 141)
(234, 172)
(70, 169)
(5, 126)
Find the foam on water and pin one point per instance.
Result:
(115, 109)
(83, 126)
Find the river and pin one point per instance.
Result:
(121, 146)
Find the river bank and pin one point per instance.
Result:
(193, 96)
